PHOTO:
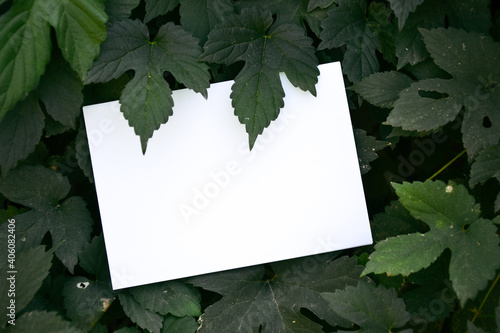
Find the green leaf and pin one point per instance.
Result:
(430, 289)
(313, 4)
(427, 69)
(146, 101)
(351, 23)
(471, 15)
(179, 325)
(201, 16)
(35, 187)
(497, 316)
(250, 300)
(292, 11)
(374, 309)
(173, 297)
(24, 52)
(366, 147)
(80, 30)
(485, 166)
(395, 220)
(142, 317)
(257, 93)
(20, 131)
(29, 269)
(471, 328)
(453, 218)
(93, 259)
(481, 124)
(61, 92)
(42, 321)
(83, 152)
(120, 9)
(156, 8)
(403, 8)
(471, 59)
(382, 89)
(417, 111)
(133, 329)
(86, 301)
(69, 222)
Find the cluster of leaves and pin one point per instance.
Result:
(422, 80)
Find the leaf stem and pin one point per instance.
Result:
(448, 164)
(476, 314)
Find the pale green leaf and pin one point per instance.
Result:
(250, 300)
(20, 131)
(266, 49)
(142, 317)
(42, 321)
(80, 30)
(453, 218)
(395, 255)
(366, 147)
(146, 101)
(24, 52)
(402, 8)
(172, 297)
(200, 17)
(374, 309)
(382, 89)
(156, 8)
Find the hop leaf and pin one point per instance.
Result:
(472, 60)
(453, 218)
(146, 101)
(249, 300)
(266, 49)
(374, 309)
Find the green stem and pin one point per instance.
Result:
(485, 298)
(447, 164)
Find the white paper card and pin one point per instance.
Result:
(199, 201)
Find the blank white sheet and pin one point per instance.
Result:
(199, 201)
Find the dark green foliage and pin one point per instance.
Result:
(421, 74)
